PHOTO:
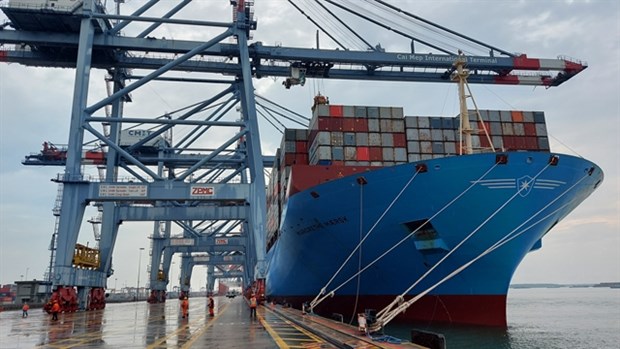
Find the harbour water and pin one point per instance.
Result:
(541, 318)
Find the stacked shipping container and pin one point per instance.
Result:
(343, 140)
(357, 136)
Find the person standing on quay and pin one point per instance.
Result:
(211, 306)
(253, 304)
(25, 309)
(185, 307)
(55, 311)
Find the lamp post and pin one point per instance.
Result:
(115, 280)
(139, 267)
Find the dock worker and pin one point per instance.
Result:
(211, 306)
(25, 309)
(253, 304)
(185, 307)
(55, 310)
(361, 322)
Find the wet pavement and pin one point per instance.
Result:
(143, 325)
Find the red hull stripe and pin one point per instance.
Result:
(488, 310)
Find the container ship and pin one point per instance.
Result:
(368, 204)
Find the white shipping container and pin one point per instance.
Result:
(337, 138)
(388, 154)
(541, 130)
(350, 153)
(412, 134)
(411, 121)
(425, 134)
(398, 125)
(374, 139)
(348, 111)
(519, 129)
(373, 125)
(387, 140)
(324, 153)
(426, 147)
(424, 122)
(361, 139)
(385, 125)
(413, 157)
(507, 129)
(449, 135)
(413, 147)
(385, 112)
(400, 154)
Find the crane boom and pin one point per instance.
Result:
(319, 63)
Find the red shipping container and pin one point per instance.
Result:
(301, 159)
(487, 124)
(400, 140)
(361, 125)
(336, 124)
(376, 154)
(289, 159)
(517, 116)
(335, 110)
(312, 136)
(363, 154)
(484, 141)
(519, 142)
(324, 124)
(529, 128)
(531, 143)
(348, 125)
(301, 147)
(509, 142)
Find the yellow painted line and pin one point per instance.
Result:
(299, 328)
(199, 333)
(279, 341)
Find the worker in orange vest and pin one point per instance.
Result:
(253, 304)
(25, 309)
(211, 306)
(55, 310)
(185, 307)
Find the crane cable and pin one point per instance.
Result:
(323, 293)
(317, 24)
(387, 317)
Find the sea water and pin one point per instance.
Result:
(540, 318)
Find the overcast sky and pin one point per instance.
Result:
(582, 119)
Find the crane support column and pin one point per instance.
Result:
(257, 178)
(75, 188)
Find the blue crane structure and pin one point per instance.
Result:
(215, 195)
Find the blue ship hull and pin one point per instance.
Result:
(470, 203)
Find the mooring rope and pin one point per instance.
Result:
(388, 316)
(399, 299)
(319, 299)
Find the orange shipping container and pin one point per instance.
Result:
(335, 110)
(517, 116)
(363, 154)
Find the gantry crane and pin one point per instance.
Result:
(181, 181)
